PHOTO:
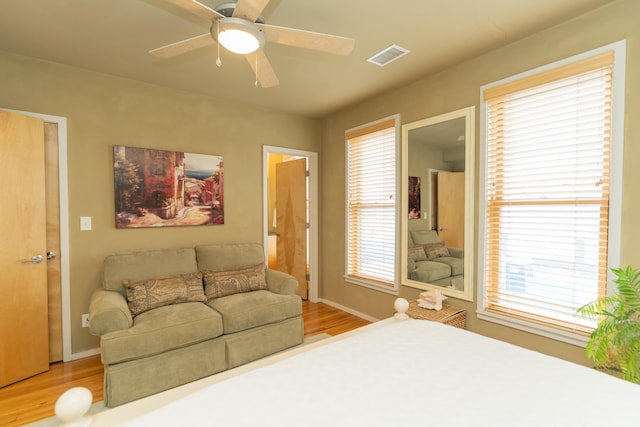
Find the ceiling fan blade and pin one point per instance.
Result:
(183, 46)
(249, 9)
(262, 68)
(198, 8)
(308, 39)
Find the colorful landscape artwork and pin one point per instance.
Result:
(159, 188)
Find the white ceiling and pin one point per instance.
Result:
(447, 134)
(114, 37)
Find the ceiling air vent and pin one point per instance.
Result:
(388, 55)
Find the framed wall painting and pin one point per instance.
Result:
(159, 188)
(414, 197)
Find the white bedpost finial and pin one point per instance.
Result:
(72, 406)
(401, 306)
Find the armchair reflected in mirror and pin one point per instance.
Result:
(437, 203)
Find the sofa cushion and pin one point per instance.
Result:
(251, 309)
(435, 250)
(222, 283)
(146, 294)
(420, 237)
(229, 256)
(430, 271)
(160, 330)
(456, 264)
(416, 253)
(139, 265)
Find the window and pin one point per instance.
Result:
(371, 205)
(549, 198)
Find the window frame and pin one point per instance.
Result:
(615, 194)
(379, 285)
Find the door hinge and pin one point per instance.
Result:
(307, 277)
(306, 173)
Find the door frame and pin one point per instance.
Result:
(63, 190)
(431, 184)
(312, 158)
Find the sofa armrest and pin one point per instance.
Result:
(456, 252)
(411, 265)
(281, 283)
(108, 312)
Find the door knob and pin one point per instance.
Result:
(51, 255)
(36, 259)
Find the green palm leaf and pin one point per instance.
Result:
(615, 342)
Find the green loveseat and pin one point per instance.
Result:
(429, 260)
(168, 345)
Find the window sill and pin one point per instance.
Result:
(372, 284)
(534, 328)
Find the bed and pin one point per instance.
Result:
(394, 372)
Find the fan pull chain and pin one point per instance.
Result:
(256, 83)
(218, 61)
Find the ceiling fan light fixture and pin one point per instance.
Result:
(238, 35)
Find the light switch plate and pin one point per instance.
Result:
(85, 223)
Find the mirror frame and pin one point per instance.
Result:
(469, 196)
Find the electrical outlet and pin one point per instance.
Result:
(85, 320)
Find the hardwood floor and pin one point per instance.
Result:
(322, 318)
(34, 398)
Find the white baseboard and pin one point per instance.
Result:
(348, 310)
(83, 354)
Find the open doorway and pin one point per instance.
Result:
(446, 206)
(290, 215)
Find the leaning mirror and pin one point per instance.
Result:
(437, 203)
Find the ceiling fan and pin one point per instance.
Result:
(239, 28)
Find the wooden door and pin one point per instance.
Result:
(451, 208)
(54, 279)
(291, 221)
(24, 348)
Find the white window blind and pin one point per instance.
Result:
(547, 193)
(371, 199)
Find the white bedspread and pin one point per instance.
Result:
(410, 373)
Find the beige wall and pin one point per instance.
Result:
(458, 87)
(103, 111)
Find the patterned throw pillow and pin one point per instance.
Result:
(416, 253)
(146, 294)
(222, 283)
(435, 250)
